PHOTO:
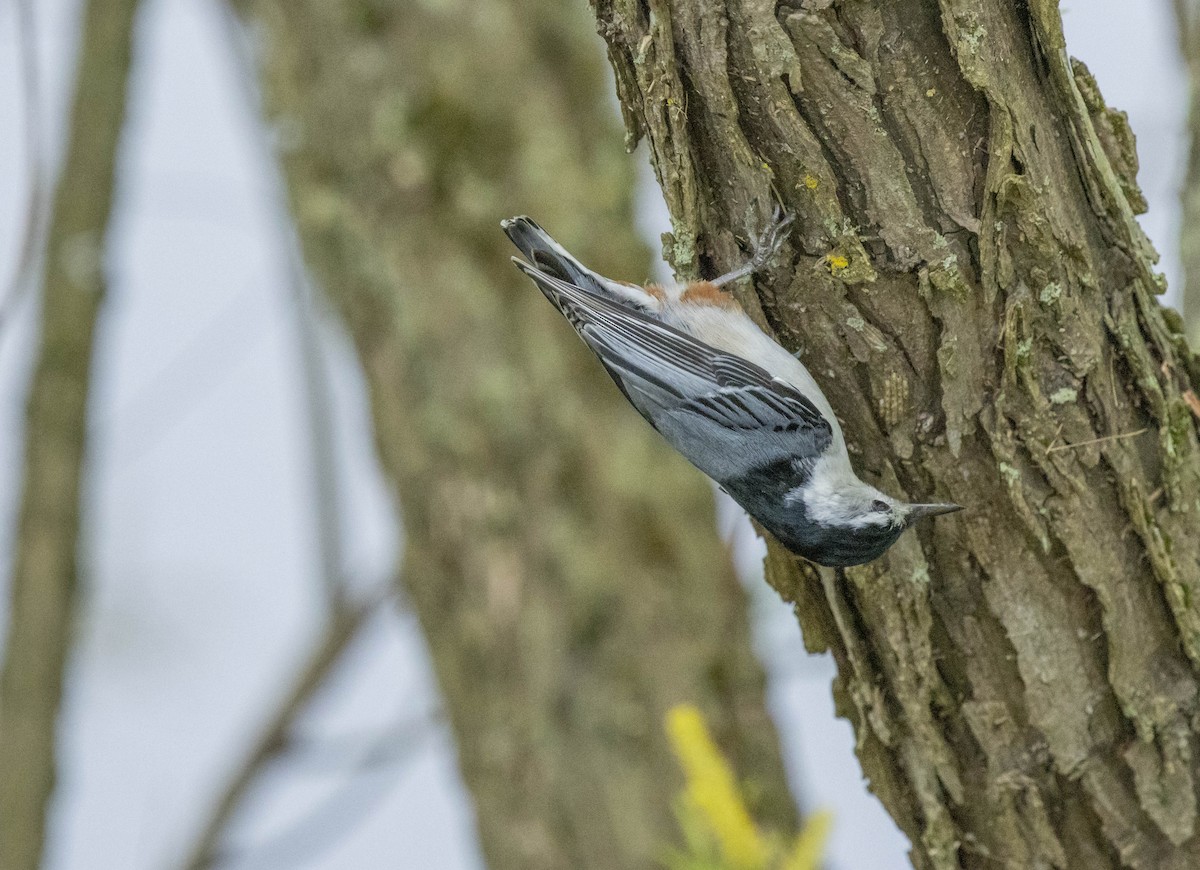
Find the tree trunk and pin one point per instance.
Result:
(562, 562)
(45, 574)
(968, 284)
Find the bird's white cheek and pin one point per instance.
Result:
(873, 521)
(824, 510)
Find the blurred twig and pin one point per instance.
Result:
(345, 618)
(343, 626)
(344, 807)
(344, 752)
(318, 403)
(35, 209)
(45, 573)
(196, 368)
(306, 305)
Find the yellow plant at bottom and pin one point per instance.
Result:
(711, 791)
(810, 843)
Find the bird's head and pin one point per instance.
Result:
(855, 522)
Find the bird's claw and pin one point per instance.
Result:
(771, 239)
(766, 246)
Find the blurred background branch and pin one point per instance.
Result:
(342, 628)
(344, 618)
(379, 761)
(25, 265)
(1187, 15)
(44, 580)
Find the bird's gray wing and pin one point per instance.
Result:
(721, 411)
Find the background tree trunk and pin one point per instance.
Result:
(967, 282)
(562, 562)
(45, 574)
(1187, 17)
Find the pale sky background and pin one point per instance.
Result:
(201, 587)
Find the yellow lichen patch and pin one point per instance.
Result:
(711, 789)
(837, 263)
(810, 181)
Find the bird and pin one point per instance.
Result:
(727, 396)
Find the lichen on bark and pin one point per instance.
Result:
(969, 285)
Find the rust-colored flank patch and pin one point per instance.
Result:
(708, 293)
(651, 290)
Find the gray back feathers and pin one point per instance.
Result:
(725, 414)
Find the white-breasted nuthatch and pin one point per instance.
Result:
(724, 394)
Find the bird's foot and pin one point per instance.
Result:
(765, 247)
(772, 238)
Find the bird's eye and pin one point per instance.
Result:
(880, 505)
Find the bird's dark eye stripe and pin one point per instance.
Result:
(879, 505)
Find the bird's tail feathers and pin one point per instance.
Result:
(550, 285)
(551, 258)
(548, 255)
(572, 301)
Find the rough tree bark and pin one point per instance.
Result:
(44, 574)
(968, 283)
(563, 564)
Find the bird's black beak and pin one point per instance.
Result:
(919, 511)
